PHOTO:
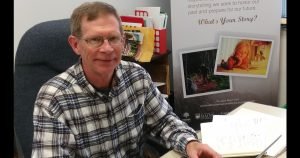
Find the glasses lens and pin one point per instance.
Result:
(95, 42)
(114, 40)
(98, 41)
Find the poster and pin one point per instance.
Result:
(201, 25)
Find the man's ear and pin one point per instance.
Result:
(73, 41)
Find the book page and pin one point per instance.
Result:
(238, 135)
(281, 125)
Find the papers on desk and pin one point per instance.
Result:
(245, 133)
(280, 125)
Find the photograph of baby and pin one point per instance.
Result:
(197, 73)
(243, 56)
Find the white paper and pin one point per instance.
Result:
(280, 125)
(236, 135)
(153, 12)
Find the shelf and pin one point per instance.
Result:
(157, 84)
(159, 73)
(165, 95)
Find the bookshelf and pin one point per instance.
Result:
(159, 70)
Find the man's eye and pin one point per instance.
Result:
(114, 39)
(98, 39)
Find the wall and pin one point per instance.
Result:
(30, 12)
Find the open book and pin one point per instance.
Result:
(246, 133)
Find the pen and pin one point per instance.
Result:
(264, 151)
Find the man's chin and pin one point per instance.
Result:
(106, 69)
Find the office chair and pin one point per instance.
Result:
(43, 52)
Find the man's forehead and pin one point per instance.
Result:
(108, 21)
(101, 19)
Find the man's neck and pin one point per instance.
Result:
(100, 81)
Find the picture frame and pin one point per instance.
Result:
(198, 79)
(243, 56)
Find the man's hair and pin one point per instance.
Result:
(91, 10)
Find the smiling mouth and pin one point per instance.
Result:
(104, 60)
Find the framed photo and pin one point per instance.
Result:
(197, 74)
(245, 56)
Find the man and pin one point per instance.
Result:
(102, 106)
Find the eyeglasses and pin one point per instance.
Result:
(97, 42)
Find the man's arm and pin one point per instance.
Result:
(52, 138)
(180, 135)
(163, 121)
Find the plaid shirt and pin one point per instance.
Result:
(72, 119)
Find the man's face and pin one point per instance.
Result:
(101, 45)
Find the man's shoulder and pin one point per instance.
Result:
(131, 66)
(132, 70)
(59, 82)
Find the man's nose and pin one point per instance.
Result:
(106, 46)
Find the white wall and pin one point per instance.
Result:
(27, 13)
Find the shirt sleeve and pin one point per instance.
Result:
(164, 122)
(51, 138)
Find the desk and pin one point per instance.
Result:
(271, 110)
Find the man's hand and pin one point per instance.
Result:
(195, 149)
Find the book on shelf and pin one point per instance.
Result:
(132, 19)
(133, 42)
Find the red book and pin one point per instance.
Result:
(132, 19)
